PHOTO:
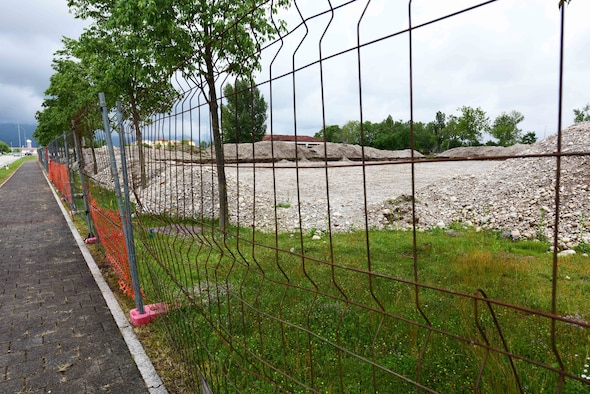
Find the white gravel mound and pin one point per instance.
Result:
(517, 196)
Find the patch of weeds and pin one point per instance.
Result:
(583, 247)
(401, 199)
(285, 204)
(457, 226)
(531, 247)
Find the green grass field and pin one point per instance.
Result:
(350, 313)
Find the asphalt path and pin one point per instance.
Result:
(57, 332)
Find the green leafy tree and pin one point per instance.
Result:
(437, 129)
(243, 118)
(529, 138)
(471, 126)
(331, 133)
(505, 128)
(351, 132)
(4, 148)
(392, 135)
(123, 65)
(450, 136)
(424, 139)
(203, 39)
(67, 97)
(70, 102)
(368, 134)
(582, 115)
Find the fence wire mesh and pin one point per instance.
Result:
(334, 272)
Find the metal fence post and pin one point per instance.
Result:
(90, 238)
(67, 156)
(125, 219)
(126, 200)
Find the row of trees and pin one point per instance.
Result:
(244, 120)
(133, 48)
(444, 132)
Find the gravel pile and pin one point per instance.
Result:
(516, 197)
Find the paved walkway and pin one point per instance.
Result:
(57, 334)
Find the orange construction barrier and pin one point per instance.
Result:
(109, 230)
(59, 175)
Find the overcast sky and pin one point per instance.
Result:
(500, 57)
(30, 32)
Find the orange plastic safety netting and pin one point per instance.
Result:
(58, 174)
(109, 230)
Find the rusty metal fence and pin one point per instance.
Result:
(331, 273)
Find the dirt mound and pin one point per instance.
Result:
(518, 195)
(268, 151)
(484, 151)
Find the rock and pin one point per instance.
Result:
(567, 252)
(515, 235)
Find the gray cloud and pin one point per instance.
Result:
(30, 33)
(501, 57)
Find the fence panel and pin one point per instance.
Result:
(344, 268)
(311, 288)
(58, 168)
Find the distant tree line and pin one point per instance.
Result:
(469, 128)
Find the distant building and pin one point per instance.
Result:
(27, 149)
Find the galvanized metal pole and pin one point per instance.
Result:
(67, 154)
(84, 190)
(129, 242)
(127, 205)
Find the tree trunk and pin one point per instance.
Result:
(139, 141)
(219, 156)
(79, 149)
(91, 137)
